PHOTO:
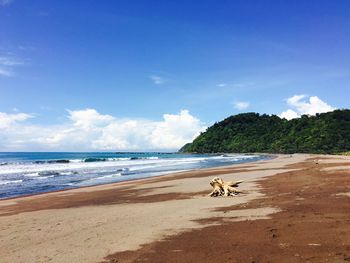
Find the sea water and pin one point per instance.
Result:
(39, 172)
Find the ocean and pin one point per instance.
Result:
(38, 172)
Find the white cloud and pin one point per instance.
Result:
(7, 119)
(305, 105)
(221, 85)
(241, 105)
(289, 114)
(158, 80)
(175, 130)
(89, 130)
(315, 105)
(89, 118)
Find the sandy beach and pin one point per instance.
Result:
(295, 208)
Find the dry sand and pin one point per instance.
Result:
(154, 219)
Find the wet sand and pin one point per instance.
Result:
(295, 208)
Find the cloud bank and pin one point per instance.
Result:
(88, 130)
(302, 104)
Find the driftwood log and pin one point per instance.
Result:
(221, 188)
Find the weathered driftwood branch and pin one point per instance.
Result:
(221, 188)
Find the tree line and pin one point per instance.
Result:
(251, 132)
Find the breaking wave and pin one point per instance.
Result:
(28, 173)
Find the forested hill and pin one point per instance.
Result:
(252, 132)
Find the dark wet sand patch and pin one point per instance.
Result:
(117, 193)
(313, 225)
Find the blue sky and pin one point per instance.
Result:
(136, 61)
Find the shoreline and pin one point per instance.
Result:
(222, 170)
(141, 179)
(125, 221)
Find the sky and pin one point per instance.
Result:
(98, 75)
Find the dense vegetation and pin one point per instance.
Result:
(251, 132)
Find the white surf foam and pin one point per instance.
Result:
(3, 182)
